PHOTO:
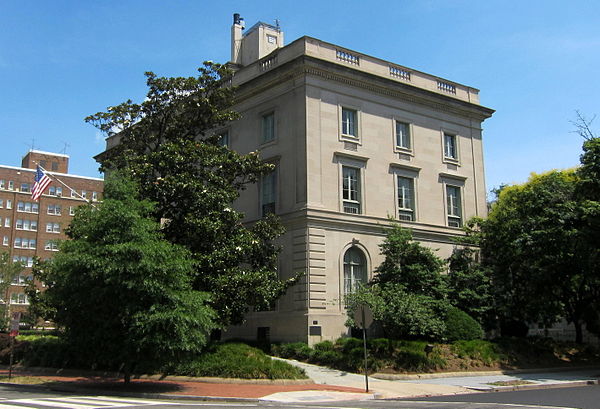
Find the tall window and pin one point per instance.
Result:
(224, 139)
(351, 189)
(453, 206)
(402, 135)
(268, 127)
(450, 146)
(268, 193)
(349, 122)
(355, 270)
(406, 198)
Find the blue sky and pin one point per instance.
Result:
(535, 62)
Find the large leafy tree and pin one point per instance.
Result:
(168, 145)
(539, 258)
(588, 194)
(469, 285)
(121, 291)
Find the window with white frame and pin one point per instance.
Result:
(11, 185)
(1, 203)
(51, 245)
(71, 210)
(73, 193)
(450, 149)
(2, 183)
(24, 243)
(54, 209)
(268, 127)
(350, 122)
(84, 194)
(406, 198)
(24, 224)
(355, 270)
(27, 207)
(55, 191)
(351, 190)
(52, 227)
(21, 279)
(26, 261)
(453, 206)
(94, 196)
(5, 241)
(269, 193)
(24, 187)
(19, 298)
(7, 222)
(403, 135)
(8, 203)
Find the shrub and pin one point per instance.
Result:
(324, 346)
(461, 326)
(237, 360)
(485, 351)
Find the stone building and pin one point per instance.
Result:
(31, 228)
(355, 140)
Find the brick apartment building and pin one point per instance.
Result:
(31, 229)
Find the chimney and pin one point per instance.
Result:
(236, 39)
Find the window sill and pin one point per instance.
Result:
(452, 161)
(350, 138)
(405, 151)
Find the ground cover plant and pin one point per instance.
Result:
(402, 356)
(223, 360)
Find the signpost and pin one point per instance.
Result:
(14, 331)
(363, 316)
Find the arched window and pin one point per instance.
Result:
(355, 269)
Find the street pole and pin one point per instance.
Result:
(365, 348)
(12, 347)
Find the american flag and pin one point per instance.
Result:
(41, 183)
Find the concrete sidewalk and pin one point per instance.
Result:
(448, 383)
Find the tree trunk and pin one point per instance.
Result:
(126, 374)
(578, 332)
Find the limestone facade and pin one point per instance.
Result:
(356, 141)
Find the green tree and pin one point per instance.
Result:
(121, 291)
(588, 195)
(169, 145)
(9, 270)
(410, 264)
(407, 295)
(538, 256)
(469, 285)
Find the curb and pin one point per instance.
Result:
(407, 377)
(535, 386)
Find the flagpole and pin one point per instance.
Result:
(64, 184)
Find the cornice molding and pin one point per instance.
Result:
(304, 65)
